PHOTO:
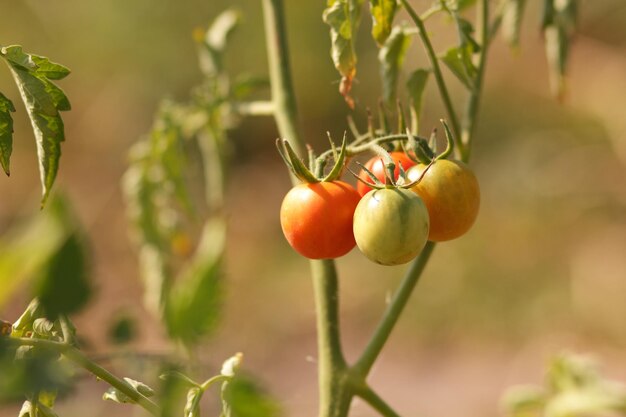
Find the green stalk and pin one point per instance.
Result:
(335, 396)
(369, 396)
(99, 372)
(473, 103)
(334, 393)
(392, 314)
(434, 62)
(283, 96)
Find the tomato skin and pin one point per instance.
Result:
(317, 219)
(377, 167)
(452, 195)
(391, 225)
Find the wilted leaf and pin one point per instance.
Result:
(343, 17)
(6, 132)
(416, 85)
(391, 56)
(43, 101)
(383, 12)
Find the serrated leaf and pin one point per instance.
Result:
(512, 13)
(416, 85)
(391, 56)
(6, 132)
(243, 397)
(192, 406)
(459, 63)
(193, 305)
(43, 101)
(383, 12)
(343, 17)
(50, 70)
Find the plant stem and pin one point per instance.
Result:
(335, 396)
(473, 102)
(283, 96)
(369, 396)
(391, 315)
(80, 359)
(434, 62)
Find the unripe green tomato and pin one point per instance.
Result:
(451, 193)
(391, 225)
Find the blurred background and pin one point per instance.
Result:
(542, 271)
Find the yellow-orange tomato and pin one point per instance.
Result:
(317, 218)
(452, 196)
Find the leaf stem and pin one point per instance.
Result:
(393, 311)
(473, 102)
(81, 360)
(367, 394)
(434, 62)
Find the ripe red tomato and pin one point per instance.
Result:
(317, 218)
(391, 225)
(451, 194)
(377, 167)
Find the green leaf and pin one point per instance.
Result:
(343, 17)
(383, 12)
(244, 398)
(458, 60)
(6, 132)
(193, 305)
(512, 13)
(459, 5)
(48, 248)
(63, 285)
(192, 406)
(391, 56)
(416, 85)
(43, 101)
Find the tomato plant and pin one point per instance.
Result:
(391, 225)
(451, 193)
(316, 218)
(377, 167)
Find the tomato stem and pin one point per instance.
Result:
(393, 311)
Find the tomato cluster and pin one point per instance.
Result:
(390, 220)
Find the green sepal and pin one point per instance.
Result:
(294, 162)
(449, 142)
(340, 158)
(419, 147)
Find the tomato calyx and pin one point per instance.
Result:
(425, 152)
(314, 172)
